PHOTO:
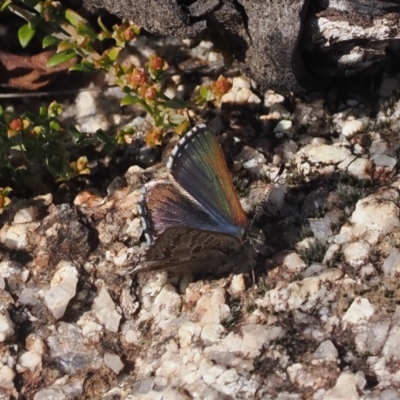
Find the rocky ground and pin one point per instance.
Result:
(319, 318)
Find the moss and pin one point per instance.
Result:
(314, 253)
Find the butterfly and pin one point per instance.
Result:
(195, 223)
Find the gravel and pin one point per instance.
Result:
(320, 319)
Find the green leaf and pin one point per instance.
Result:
(177, 119)
(31, 3)
(23, 13)
(113, 53)
(102, 26)
(54, 109)
(129, 100)
(203, 92)
(60, 58)
(74, 18)
(43, 111)
(85, 30)
(82, 67)
(19, 147)
(55, 125)
(103, 35)
(103, 137)
(6, 191)
(76, 134)
(35, 21)
(53, 164)
(25, 34)
(50, 41)
(175, 103)
(66, 45)
(5, 5)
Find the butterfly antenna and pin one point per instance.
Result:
(266, 195)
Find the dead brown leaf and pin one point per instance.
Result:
(29, 72)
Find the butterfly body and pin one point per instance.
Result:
(195, 224)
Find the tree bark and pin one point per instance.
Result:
(288, 45)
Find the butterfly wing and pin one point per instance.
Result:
(165, 205)
(183, 249)
(198, 165)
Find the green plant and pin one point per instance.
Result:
(337, 259)
(251, 307)
(235, 315)
(73, 37)
(262, 286)
(214, 91)
(314, 253)
(350, 190)
(29, 139)
(305, 231)
(4, 199)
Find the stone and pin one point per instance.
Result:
(257, 337)
(391, 348)
(240, 96)
(289, 260)
(326, 350)
(280, 110)
(29, 296)
(88, 198)
(389, 394)
(391, 265)
(270, 98)
(105, 311)
(251, 160)
(6, 324)
(330, 253)
(357, 253)
(24, 215)
(211, 375)
(167, 305)
(382, 160)
(352, 126)
(35, 343)
(372, 338)
(14, 237)
(313, 270)
(359, 311)
(372, 218)
(241, 82)
(361, 168)
(283, 126)
(50, 394)
(68, 347)
(62, 290)
(345, 388)
(325, 154)
(90, 328)
(322, 227)
(7, 376)
(188, 333)
(29, 361)
(89, 115)
(238, 284)
(113, 362)
(9, 268)
(303, 295)
(211, 307)
(378, 146)
(211, 333)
